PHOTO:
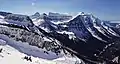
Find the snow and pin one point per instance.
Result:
(71, 34)
(110, 30)
(95, 35)
(30, 50)
(62, 32)
(46, 39)
(99, 29)
(58, 22)
(2, 21)
(34, 19)
(68, 60)
(46, 29)
(14, 52)
(2, 17)
(106, 27)
(38, 22)
(12, 56)
(80, 13)
(64, 25)
(2, 42)
(3, 26)
(54, 26)
(116, 59)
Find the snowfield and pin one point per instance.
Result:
(2, 17)
(12, 56)
(13, 52)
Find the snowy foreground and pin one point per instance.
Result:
(14, 52)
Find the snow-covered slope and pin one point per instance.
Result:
(1, 17)
(14, 53)
(30, 50)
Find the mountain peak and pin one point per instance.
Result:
(4, 13)
(37, 14)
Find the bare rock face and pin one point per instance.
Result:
(4, 13)
(19, 19)
(33, 39)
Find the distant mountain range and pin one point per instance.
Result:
(85, 36)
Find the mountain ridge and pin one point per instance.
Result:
(80, 36)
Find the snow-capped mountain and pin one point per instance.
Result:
(85, 30)
(21, 28)
(53, 16)
(85, 36)
(59, 17)
(82, 25)
(45, 21)
(35, 16)
(16, 29)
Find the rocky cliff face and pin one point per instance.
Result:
(39, 40)
(21, 28)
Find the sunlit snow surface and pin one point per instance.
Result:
(2, 17)
(14, 53)
(38, 22)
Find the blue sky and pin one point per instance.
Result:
(104, 9)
